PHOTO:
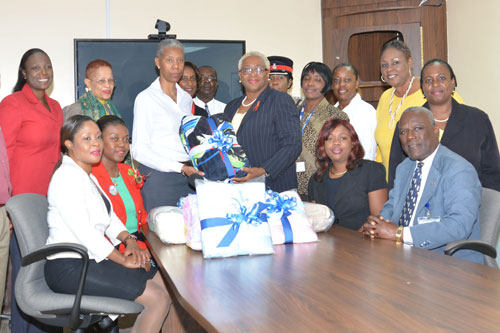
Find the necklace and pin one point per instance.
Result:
(337, 174)
(393, 114)
(246, 105)
(441, 120)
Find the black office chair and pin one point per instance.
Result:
(489, 217)
(28, 213)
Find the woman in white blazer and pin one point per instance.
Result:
(80, 212)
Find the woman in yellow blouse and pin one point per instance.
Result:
(396, 66)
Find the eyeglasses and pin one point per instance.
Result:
(102, 82)
(208, 78)
(256, 70)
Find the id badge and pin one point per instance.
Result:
(426, 219)
(301, 166)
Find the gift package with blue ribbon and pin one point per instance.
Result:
(287, 218)
(212, 147)
(233, 218)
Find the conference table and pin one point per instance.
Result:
(342, 283)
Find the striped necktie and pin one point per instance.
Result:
(206, 109)
(411, 197)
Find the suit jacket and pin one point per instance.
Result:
(270, 136)
(32, 138)
(469, 134)
(78, 213)
(453, 192)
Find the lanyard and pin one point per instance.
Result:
(308, 118)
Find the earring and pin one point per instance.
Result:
(382, 78)
(239, 81)
(409, 71)
(87, 89)
(158, 67)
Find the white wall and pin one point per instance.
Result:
(279, 27)
(473, 52)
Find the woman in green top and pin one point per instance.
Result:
(121, 182)
(99, 85)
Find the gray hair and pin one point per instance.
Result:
(168, 43)
(254, 54)
(426, 111)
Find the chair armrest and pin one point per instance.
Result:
(51, 249)
(475, 245)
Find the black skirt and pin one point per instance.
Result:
(106, 278)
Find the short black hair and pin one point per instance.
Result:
(348, 65)
(436, 61)
(323, 70)
(108, 120)
(398, 45)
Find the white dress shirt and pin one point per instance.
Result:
(426, 168)
(363, 118)
(214, 106)
(155, 137)
(78, 214)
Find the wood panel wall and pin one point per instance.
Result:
(354, 31)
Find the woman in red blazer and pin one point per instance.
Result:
(121, 182)
(30, 122)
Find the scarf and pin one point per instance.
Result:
(93, 108)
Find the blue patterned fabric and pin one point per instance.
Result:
(213, 147)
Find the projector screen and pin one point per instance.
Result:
(134, 68)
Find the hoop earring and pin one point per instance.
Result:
(382, 78)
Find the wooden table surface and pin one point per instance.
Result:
(342, 283)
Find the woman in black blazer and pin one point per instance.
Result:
(352, 187)
(465, 130)
(266, 123)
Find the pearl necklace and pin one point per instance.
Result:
(441, 120)
(246, 105)
(393, 114)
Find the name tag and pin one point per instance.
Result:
(300, 166)
(424, 220)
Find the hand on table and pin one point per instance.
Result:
(378, 226)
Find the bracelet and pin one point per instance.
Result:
(130, 236)
(399, 232)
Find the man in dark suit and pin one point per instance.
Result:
(436, 194)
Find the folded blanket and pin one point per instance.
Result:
(213, 147)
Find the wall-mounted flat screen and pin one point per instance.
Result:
(134, 68)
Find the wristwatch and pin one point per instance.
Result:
(130, 236)
(399, 232)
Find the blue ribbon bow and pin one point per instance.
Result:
(277, 203)
(254, 217)
(223, 141)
